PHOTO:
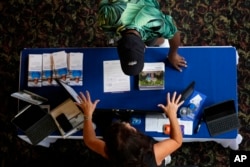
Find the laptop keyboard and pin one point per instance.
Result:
(44, 127)
(223, 124)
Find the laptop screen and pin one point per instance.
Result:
(28, 117)
(219, 110)
(69, 89)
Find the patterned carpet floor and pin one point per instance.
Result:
(59, 23)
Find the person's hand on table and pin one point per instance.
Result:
(177, 61)
(87, 106)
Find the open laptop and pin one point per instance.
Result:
(221, 117)
(35, 122)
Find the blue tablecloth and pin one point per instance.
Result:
(213, 69)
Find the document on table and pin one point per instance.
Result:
(155, 122)
(114, 78)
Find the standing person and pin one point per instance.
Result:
(123, 145)
(139, 23)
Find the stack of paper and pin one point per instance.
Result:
(114, 79)
(155, 123)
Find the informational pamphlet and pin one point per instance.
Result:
(75, 68)
(60, 65)
(35, 70)
(47, 71)
(152, 76)
(114, 78)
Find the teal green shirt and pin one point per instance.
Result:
(143, 15)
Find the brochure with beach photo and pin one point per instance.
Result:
(35, 70)
(47, 71)
(60, 65)
(75, 68)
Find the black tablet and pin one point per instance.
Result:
(188, 91)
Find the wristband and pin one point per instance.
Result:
(86, 118)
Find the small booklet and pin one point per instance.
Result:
(75, 68)
(29, 97)
(47, 72)
(152, 76)
(60, 65)
(35, 70)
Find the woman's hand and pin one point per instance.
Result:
(87, 106)
(172, 105)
